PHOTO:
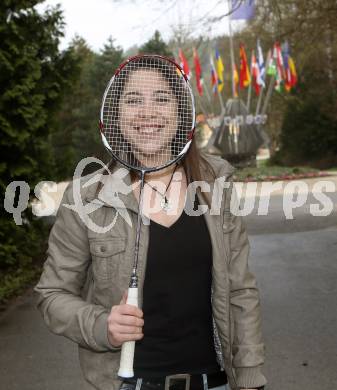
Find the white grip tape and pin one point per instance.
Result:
(128, 348)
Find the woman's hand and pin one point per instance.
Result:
(125, 323)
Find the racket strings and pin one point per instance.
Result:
(148, 113)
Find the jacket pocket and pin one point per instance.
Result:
(106, 255)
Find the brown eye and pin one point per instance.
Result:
(133, 101)
(162, 99)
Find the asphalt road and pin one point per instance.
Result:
(295, 262)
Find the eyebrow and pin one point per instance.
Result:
(132, 93)
(136, 93)
(163, 91)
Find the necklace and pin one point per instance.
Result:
(165, 203)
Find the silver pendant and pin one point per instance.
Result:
(165, 204)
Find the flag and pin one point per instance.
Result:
(255, 74)
(271, 64)
(293, 72)
(214, 76)
(280, 73)
(289, 67)
(244, 68)
(262, 70)
(220, 70)
(197, 70)
(242, 9)
(285, 55)
(184, 64)
(236, 81)
(279, 61)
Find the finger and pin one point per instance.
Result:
(130, 321)
(130, 310)
(127, 329)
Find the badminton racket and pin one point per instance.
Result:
(147, 123)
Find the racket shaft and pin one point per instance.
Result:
(128, 348)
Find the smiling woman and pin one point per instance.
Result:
(196, 321)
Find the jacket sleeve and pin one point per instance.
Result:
(63, 309)
(248, 348)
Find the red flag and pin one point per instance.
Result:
(279, 62)
(255, 74)
(236, 81)
(244, 68)
(184, 63)
(197, 70)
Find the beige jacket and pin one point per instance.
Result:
(87, 272)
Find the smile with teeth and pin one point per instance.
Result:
(148, 128)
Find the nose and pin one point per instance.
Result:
(147, 109)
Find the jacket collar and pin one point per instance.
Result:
(115, 189)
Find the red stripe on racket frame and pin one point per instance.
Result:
(121, 66)
(190, 134)
(101, 126)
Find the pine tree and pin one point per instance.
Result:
(34, 75)
(77, 136)
(156, 45)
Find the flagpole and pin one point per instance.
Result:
(231, 48)
(203, 109)
(223, 110)
(265, 106)
(269, 64)
(258, 106)
(207, 92)
(269, 94)
(200, 97)
(249, 97)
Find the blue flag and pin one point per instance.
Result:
(262, 68)
(242, 9)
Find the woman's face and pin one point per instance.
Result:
(148, 114)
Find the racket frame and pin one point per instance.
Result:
(191, 133)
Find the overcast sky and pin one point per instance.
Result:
(134, 22)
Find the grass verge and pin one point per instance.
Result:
(265, 172)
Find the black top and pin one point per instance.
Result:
(178, 329)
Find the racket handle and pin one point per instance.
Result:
(128, 348)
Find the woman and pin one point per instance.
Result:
(199, 307)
